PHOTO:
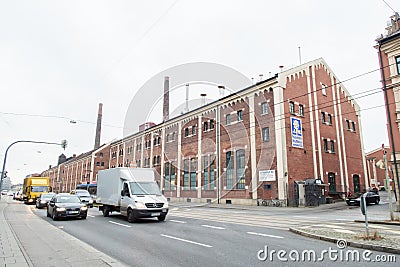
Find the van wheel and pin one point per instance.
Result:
(161, 218)
(131, 216)
(106, 212)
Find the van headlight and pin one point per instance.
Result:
(140, 205)
(60, 209)
(84, 208)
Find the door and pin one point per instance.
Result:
(332, 182)
(125, 199)
(356, 183)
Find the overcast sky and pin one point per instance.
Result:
(59, 59)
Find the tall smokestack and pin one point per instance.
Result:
(166, 99)
(98, 127)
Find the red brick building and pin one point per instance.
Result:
(389, 60)
(79, 169)
(376, 174)
(257, 143)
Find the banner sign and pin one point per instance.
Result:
(297, 132)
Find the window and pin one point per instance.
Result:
(348, 124)
(98, 163)
(398, 64)
(186, 174)
(173, 136)
(332, 146)
(291, 107)
(170, 174)
(159, 141)
(205, 126)
(353, 126)
(240, 169)
(240, 115)
(323, 89)
(264, 108)
(265, 134)
(330, 119)
(323, 118)
(228, 119)
(229, 170)
(193, 168)
(208, 168)
(102, 163)
(167, 138)
(186, 132)
(212, 124)
(100, 154)
(206, 171)
(332, 182)
(325, 145)
(194, 128)
(235, 171)
(301, 110)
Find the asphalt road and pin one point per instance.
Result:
(210, 237)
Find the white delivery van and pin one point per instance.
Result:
(131, 191)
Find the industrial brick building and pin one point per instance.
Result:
(261, 142)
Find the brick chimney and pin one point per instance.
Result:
(98, 127)
(166, 99)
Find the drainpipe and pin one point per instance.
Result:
(390, 126)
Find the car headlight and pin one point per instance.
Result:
(43, 201)
(91, 201)
(358, 199)
(60, 209)
(84, 208)
(30, 200)
(165, 205)
(140, 205)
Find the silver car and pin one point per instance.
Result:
(84, 196)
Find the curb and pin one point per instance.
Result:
(352, 243)
(379, 222)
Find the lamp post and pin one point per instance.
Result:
(63, 144)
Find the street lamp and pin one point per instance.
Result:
(63, 145)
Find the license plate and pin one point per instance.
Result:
(164, 210)
(155, 214)
(73, 212)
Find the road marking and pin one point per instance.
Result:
(344, 231)
(343, 220)
(274, 236)
(120, 224)
(308, 217)
(91, 216)
(187, 241)
(176, 221)
(213, 227)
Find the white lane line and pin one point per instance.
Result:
(343, 220)
(176, 221)
(187, 241)
(307, 217)
(120, 224)
(213, 227)
(91, 216)
(274, 236)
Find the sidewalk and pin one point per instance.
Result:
(26, 240)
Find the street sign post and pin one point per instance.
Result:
(363, 206)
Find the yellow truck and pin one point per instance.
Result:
(34, 187)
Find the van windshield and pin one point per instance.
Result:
(144, 188)
(39, 189)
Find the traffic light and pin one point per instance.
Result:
(64, 144)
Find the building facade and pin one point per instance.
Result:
(257, 143)
(375, 166)
(388, 46)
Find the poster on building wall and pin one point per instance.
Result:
(296, 131)
(267, 176)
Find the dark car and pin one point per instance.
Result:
(371, 198)
(42, 201)
(66, 206)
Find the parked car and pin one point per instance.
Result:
(18, 195)
(66, 206)
(42, 201)
(371, 198)
(84, 195)
(4, 192)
